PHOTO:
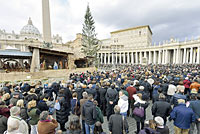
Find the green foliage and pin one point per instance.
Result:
(90, 43)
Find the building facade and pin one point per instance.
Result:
(134, 46)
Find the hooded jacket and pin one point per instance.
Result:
(123, 104)
(89, 112)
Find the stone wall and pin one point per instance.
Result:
(20, 76)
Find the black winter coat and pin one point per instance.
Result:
(164, 87)
(24, 114)
(161, 108)
(89, 112)
(79, 91)
(112, 95)
(102, 93)
(42, 106)
(3, 124)
(92, 91)
(147, 86)
(116, 124)
(68, 97)
(63, 113)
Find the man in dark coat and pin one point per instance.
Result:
(90, 114)
(102, 93)
(117, 123)
(161, 108)
(91, 90)
(164, 87)
(111, 98)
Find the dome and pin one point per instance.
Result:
(30, 29)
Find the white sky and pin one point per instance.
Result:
(167, 18)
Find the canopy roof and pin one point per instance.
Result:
(14, 53)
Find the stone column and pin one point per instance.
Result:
(124, 58)
(35, 63)
(136, 57)
(194, 55)
(116, 54)
(101, 58)
(46, 21)
(174, 57)
(178, 56)
(191, 55)
(132, 59)
(159, 57)
(140, 57)
(150, 57)
(112, 58)
(154, 57)
(21, 63)
(71, 61)
(184, 56)
(109, 58)
(128, 58)
(198, 58)
(163, 57)
(105, 57)
(166, 57)
(145, 54)
(120, 58)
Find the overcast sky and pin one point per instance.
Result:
(167, 18)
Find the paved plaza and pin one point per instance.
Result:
(132, 123)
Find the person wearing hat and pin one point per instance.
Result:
(16, 119)
(160, 127)
(14, 99)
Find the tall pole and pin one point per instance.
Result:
(46, 21)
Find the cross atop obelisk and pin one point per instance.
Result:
(46, 21)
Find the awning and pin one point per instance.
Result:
(14, 53)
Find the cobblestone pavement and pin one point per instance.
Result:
(132, 123)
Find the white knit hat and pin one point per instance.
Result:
(159, 120)
(15, 111)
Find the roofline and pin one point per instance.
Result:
(132, 28)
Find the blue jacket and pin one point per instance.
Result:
(195, 105)
(175, 97)
(182, 116)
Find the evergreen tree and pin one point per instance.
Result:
(90, 43)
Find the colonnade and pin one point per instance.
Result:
(158, 56)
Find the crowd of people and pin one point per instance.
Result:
(78, 105)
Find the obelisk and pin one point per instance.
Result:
(46, 21)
